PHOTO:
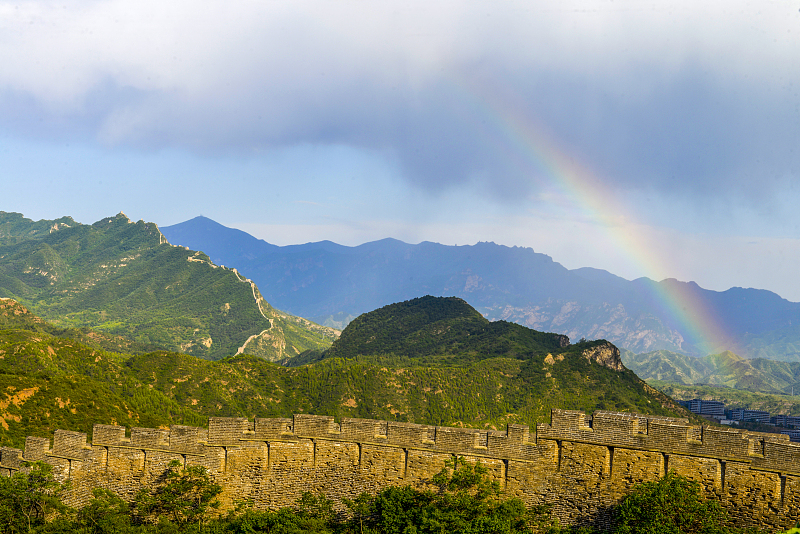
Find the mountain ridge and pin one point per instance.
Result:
(725, 369)
(516, 284)
(437, 331)
(126, 279)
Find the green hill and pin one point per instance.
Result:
(431, 326)
(14, 315)
(49, 382)
(437, 331)
(124, 279)
(440, 335)
(724, 369)
(781, 344)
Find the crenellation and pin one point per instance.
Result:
(615, 426)
(781, 456)
(726, 443)
(364, 430)
(664, 419)
(580, 467)
(759, 441)
(10, 458)
(457, 440)
(187, 439)
(511, 443)
(273, 428)
(642, 423)
(229, 430)
(668, 435)
(150, 438)
(109, 435)
(517, 435)
(69, 444)
(569, 421)
(411, 435)
(320, 426)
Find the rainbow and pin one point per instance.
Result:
(510, 128)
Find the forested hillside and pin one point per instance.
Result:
(723, 369)
(435, 329)
(49, 382)
(124, 279)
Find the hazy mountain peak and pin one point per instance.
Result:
(326, 282)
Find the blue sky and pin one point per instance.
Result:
(444, 121)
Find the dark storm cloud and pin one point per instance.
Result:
(646, 98)
(694, 132)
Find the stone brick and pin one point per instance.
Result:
(579, 466)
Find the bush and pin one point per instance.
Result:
(671, 505)
(464, 500)
(28, 498)
(186, 496)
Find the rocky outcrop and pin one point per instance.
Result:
(605, 354)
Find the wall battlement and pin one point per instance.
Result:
(580, 466)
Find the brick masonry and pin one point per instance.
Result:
(580, 466)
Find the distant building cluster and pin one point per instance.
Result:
(716, 410)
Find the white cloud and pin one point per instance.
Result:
(282, 52)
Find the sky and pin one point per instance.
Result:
(647, 138)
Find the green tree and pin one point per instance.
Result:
(29, 497)
(185, 496)
(465, 500)
(670, 505)
(315, 512)
(361, 510)
(313, 515)
(106, 513)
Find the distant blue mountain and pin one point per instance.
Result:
(331, 284)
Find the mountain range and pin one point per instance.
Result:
(122, 278)
(724, 369)
(332, 284)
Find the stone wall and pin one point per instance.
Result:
(580, 467)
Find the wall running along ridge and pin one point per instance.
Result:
(581, 468)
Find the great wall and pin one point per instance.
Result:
(581, 468)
